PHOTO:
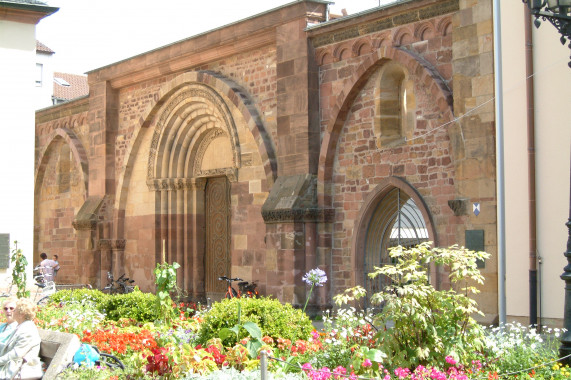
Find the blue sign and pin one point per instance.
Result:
(476, 208)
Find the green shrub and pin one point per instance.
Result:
(273, 318)
(79, 295)
(136, 305)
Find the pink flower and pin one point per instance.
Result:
(402, 372)
(367, 363)
(325, 373)
(315, 334)
(450, 360)
(338, 372)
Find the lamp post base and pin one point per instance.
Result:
(565, 348)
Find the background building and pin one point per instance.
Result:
(18, 19)
(287, 141)
(550, 96)
(44, 76)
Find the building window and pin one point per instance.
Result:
(39, 74)
(397, 220)
(395, 104)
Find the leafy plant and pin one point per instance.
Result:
(254, 344)
(512, 347)
(73, 317)
(273, 319)
(19, 271)
(234, 374)
(165, 279)
(135, 305)
(79, 295)
(419, 324)
(159, 363)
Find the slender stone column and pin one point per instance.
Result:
(106, 262)
(118, 257)
(164, 220)
(180, 237)
(197, 237)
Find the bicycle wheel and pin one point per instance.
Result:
(109, 289)
(43, 301)
(111, 361)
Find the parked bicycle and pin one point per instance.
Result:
(45, 288)
(122, 285)
(245, 288)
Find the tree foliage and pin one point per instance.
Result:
(419, 324)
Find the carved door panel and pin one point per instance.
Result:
(217, 259)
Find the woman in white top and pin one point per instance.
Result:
(21, 353)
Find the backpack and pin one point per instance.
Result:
(86, 354)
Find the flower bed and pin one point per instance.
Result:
(431, 335)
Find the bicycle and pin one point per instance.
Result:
(48, 287)
(122, 285)
(245, 289)
(45, 288)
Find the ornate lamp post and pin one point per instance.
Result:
(558, 13)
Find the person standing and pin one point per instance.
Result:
(56, 268)
(47, 267)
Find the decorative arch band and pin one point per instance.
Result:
(192, 112)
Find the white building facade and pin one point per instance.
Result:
(551, 97)
(18, 19)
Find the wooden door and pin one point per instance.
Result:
(217, 259)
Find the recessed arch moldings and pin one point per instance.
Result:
(77, 151)
(424, 31)
(403, 36)
(341, 52)
(192, 110)
(324, 57)
(444, 26)
(422, 69)
(217, 83)
(366, 211)
(233, 93)
(361, 47)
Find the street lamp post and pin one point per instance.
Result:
(558, 13)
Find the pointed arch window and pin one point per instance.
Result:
(396, 220)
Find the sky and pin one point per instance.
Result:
(88, 34)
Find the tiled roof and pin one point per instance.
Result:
(40, 47)
(77, 88)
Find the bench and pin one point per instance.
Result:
(56, 351)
